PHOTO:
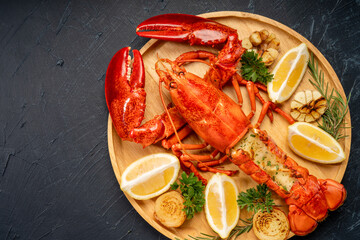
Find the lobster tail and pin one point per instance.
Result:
(300, 223)
(309, 198)
(335, 193)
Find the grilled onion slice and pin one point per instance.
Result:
(169, 209)
(271, 226)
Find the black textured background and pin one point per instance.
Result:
(56, 180)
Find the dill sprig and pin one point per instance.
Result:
(337, 107)
(254, 69)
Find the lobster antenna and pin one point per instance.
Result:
(201, 61)
(173, 125)
(171, 121)
(168, 114)
(166, 109)
(194, 60)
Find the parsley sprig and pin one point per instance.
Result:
(256, 199)
(192, 190)
(254, 69)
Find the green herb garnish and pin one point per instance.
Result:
(254, 69)
(237, 231)
(256, 199)
(333, 118)
(192, 190)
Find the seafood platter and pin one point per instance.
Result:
(220, 112)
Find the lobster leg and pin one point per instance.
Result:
(204, 162)
(237, 90)
(272, 106)
(172, 140)
(250, 89)
(185, 162)
(255, 89)
(199, 54)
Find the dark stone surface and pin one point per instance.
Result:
(56, 180)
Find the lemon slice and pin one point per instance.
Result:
(150, 176)
(221, 209)
(288, 73)
(314, 144)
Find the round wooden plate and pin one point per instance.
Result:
(122, 153)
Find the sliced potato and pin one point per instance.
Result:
(271, 226)
(169, 209)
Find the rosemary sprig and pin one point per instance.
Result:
(254, 69)
(237, 231)
(333, 118)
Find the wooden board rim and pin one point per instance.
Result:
(244, 15)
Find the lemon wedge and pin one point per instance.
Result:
(288, 73)
(314, 144)
(150, 176)
(221, 209)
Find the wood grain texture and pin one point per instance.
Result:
(123, 153)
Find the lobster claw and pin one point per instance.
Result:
(124, 92)
(185, 28)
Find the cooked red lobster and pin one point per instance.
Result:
(201, 106)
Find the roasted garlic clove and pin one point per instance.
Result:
(255, 38)
(271, 37)
(275, 43)
(308, 106)
(271, 226)
(266, 44)
(264, 34)
(246, 43)
(269, 56)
